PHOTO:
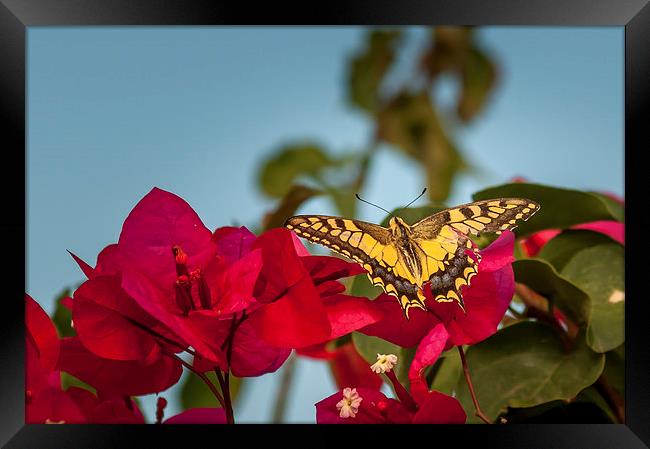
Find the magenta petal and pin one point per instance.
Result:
(299, 247)
(498, 254)
(233, 243)
(111, 324)
(87, 270)
(160, 221)
(613, 229)
(41, 330)
(199, 416)
(350, 313)
(297, 320)
(426, 355)
(232, 285)
(251, 356)
(486, 301)
(394, 327)
(116, 377)
(438, 408)
(326, 268)
(327, 413)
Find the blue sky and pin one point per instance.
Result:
(113, 112)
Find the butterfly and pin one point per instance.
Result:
(436, 252)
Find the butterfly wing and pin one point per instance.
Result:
(368, 244)
(495, 216)
(450, 257)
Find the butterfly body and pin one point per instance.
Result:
(404, 259)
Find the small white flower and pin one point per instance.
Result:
(349, 406)
(385, 362)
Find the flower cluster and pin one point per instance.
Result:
(238, 303)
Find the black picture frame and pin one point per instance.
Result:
(17, 15)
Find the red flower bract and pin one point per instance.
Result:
(240, 302)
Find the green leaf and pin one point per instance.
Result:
(542, 277)
(62, 317)
(561, 248)
(599, 271)
(614, 206)
(478, 80)
(592, 396)
(449, 371)
(195, 393)
(68, 380)
(288, 164)
(294, 198)
(524, 365)
(361, 286)
(560, 208)
(367, 69)
(410, 123)
(369, 347)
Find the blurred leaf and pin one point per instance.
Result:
(455, 51)
(195, 393)
(524, 365)
(68, 380)
(599, 272)
(448, 372)
(545, 280)
(560, 208)
(288, 206)
(62, 317)
(344, 200)
(410, 123)
(614, 206)
(615, 369)
(361, 286)
(561, 248)
(369, 347)
(479, 78)
(367, 69)
(290, 163)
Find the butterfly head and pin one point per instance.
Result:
(399, 227)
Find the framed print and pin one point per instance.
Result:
(409, 214)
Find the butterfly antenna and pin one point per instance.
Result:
(417, 198)
(372, 204)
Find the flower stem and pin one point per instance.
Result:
(205, 379)
(401, 392)
(282, 395)
(479, 412)
(224, 382)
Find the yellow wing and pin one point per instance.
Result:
(448, 256)
(370, 245)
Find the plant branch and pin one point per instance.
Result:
(204, 378)
(479, 412)
(224, 382)
(613, 398)
(283, 390)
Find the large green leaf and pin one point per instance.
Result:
(524, 365)
(369, 347)
(448, 371)
(599, 271)
(288, 164)
(368, 67)
(195, 393)
(560, 208)
(561, 248)
(542, 277)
